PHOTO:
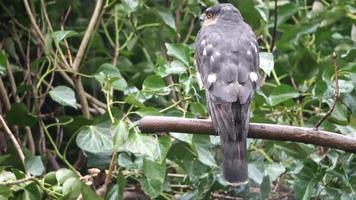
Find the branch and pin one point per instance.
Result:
(87, 34)
(259, 131)
(336, 95)
(274, 25)
(13, 140)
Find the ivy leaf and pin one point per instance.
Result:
(34, 165)
(72, 187)
(96, 139)
(155, 85)
(148, 111)
(59, 36)
(152, 187)
(120, 135)
(167, 18)
(178, 51)
(108, 72)
(20, 111)
(64, 96)
(64, 174)
(154, 170)
(130, 4)
(3, 60)
(140, 144)
(282, 93)
(266, 62)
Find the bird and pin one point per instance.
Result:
(227, 59)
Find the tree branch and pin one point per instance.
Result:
(337, 93)
(260, 131)
(13, 140)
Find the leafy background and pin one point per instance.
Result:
(76, 120)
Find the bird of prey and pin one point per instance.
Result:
(226, 55)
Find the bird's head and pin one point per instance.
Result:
(221, 13)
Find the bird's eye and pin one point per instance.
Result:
(209, 15)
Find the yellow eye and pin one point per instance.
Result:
(209, 15)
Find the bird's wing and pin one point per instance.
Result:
(228, 66)
(227, 59)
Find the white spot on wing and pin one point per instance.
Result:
(212, 59)
(204, 52)
(211, 78)
(217, 53)
(210, 46)
(253, 76)
(203, 42)
(248, 52)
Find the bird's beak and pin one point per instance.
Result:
(202, 17)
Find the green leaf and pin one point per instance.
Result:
(155, 85)
(72, 188)
(89, 194)
(148, 111)
(130, 4)
(152, 187)
(266, 62)
(164, 144)
(265, 187)
(6, 176)
(64, 96)
(109, 74)
(154, 149)
(154, 170)
(203, 150)
(96, 139)
(339, 114)
(167, 18)
(309, 189)
(58, 36)
(50, 178)
(34, 165)
(120, 135)
(64, 174)
(274, 170)
(179, 51)
(185, 137)
(20, 111)
(197, 109)
(255, 173)
(3, 60)
(130, 99)
(282, 93)
(116, 192)
(176, 67)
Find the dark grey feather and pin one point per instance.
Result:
(226, 54)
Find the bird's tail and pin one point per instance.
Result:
(231, 120)
(235, 162)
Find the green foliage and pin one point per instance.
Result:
(139, 62)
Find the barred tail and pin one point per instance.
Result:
(231, 121)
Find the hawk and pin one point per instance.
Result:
(226, 55)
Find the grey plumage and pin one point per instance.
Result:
(227, 59)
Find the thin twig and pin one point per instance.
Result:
(87, 34)
(3, 95)
(223, 196)
(190, 30)
(33, 21)
(337, 94)
(274, 25)
(13, 140)
(103, 190)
